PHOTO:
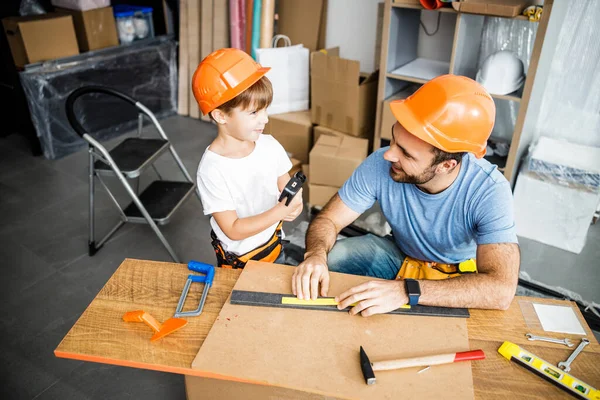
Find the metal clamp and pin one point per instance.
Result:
(207, 279)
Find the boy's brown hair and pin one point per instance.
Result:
(258, 96)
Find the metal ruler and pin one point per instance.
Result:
(262, 299)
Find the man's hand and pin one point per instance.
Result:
(295, 207)
(374, 297)
(307, 276)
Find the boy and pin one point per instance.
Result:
(242, 172)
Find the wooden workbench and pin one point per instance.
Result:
(101, 336)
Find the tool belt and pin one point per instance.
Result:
(268, 252)
(416, 269)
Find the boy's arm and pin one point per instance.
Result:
(242, 228)
(281, 182)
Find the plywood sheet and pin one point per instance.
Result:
(101, 335)
(317, 352)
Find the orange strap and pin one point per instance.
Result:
(268, 252)
(416, 269)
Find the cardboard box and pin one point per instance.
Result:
(387, 118)
(304, 22)
(294, 132)
(340, 98)
(500, 8)
(319, 195)
(321, 130)
(40, 38)
(306, 187)
(333, 159)
(296, 166)
(95, 29)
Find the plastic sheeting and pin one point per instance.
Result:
(557, 194)
(517, 36)
(145, 70)
(571, 101)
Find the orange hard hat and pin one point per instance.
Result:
(453, 113)
(223, 75)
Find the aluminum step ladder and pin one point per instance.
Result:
(128, 160)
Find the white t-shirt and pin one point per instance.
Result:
(247, 185)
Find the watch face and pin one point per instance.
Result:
(413, 287)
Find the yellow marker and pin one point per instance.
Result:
(321, 301)
(553, 374)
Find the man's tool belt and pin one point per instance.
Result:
(417, 269)
(268, 252)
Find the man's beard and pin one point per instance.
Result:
(420, 179)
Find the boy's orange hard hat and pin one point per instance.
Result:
(453, 113)
(223, 75)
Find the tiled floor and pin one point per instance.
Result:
(49, 279)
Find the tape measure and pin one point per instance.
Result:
(549, 372)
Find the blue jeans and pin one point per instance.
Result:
(368, 255)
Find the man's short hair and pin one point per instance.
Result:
(439, 156)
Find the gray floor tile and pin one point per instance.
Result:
(96, 381)
(20, 270)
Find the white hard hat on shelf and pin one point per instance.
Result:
(501, 73)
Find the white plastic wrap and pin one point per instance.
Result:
(557, 194)
(82, 5)
(145, 70)
(571, 101)
(517, 36)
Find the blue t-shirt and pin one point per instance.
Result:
(445, 227)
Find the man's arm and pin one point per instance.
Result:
(493, 287)
(320, 238)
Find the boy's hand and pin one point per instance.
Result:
(295, 207)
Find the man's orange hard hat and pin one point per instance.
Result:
(453, 113)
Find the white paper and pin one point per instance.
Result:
(558, 319)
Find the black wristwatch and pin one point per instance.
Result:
(413, 290)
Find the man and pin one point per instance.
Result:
(446, 206)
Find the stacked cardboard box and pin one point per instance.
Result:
(333, 159)
(40, 38)
(95, 29)
(294, 132)
(340, 98)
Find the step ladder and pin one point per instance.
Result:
(128, 160)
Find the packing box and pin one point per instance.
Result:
(40, 38)
(333, 159)
(296, 166)
(319, 195)
(95, 29)
(294, 132)
(304, 22)
(340, 98)
(321, 130)
(500, 8)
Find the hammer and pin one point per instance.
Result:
(368, 367)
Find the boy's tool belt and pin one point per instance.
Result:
(268, 252)
(417, 269)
